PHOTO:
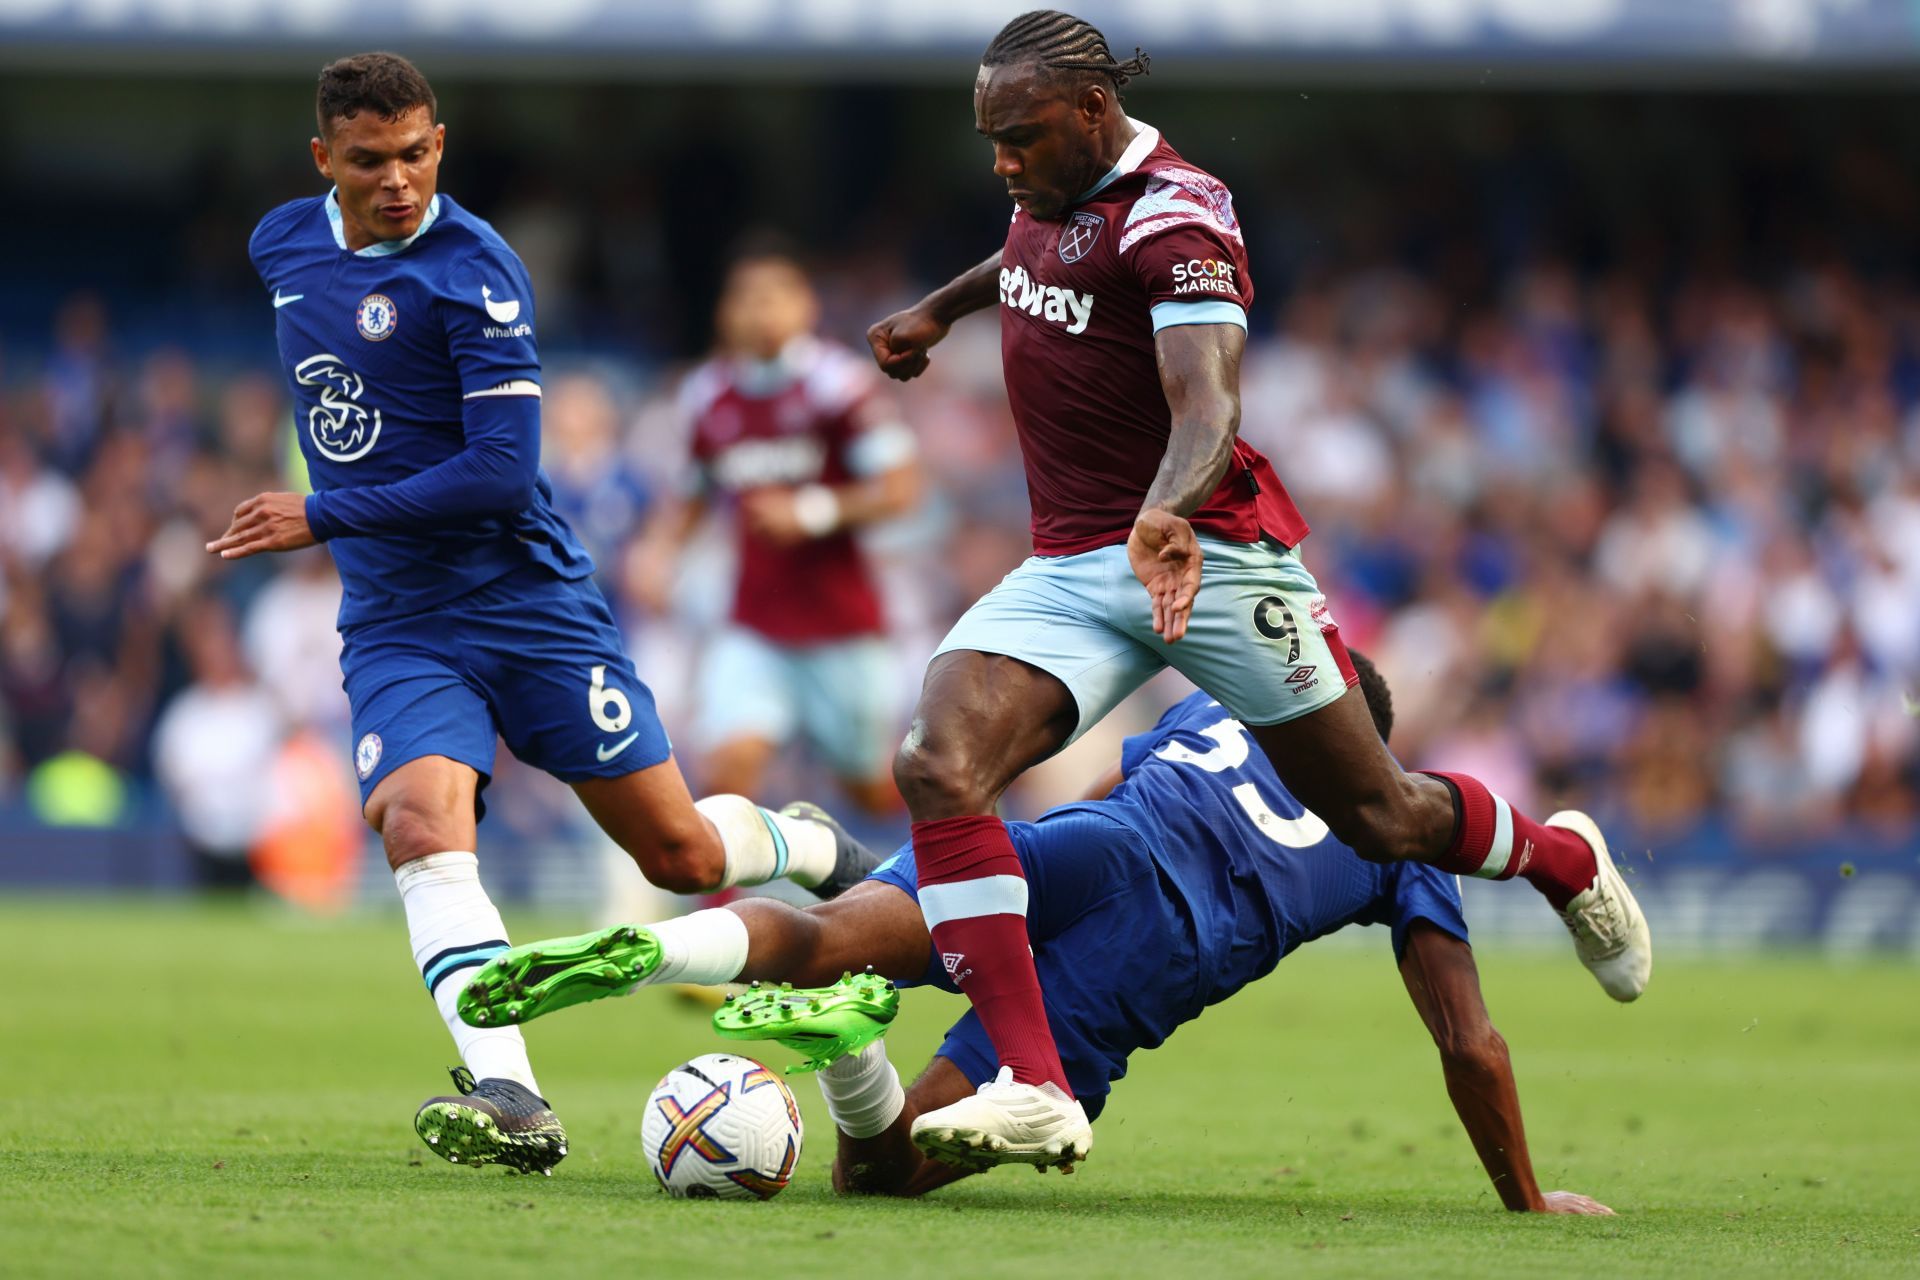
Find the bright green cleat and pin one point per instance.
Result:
(522, 983)
(822, 1024)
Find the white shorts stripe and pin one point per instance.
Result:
(988, 896)
(1502, 849)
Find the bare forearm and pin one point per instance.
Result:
(1488, 1104)
(971, 291)
(1197, 456)
(1200, 375)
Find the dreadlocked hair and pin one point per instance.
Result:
(1061, 42)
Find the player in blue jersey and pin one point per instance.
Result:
(1190, 873)
(407, 329)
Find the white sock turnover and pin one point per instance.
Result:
(762, 845)
(863, 1092)
(455, 929)
(702, 947)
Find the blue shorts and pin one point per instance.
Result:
(530, 658)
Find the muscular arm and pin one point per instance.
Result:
(974, 289)
(1200, 374)
(901, 341)
(1445, 986)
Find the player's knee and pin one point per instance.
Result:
(938, 783)
(681, 860)
(409, 830)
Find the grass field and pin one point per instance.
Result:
(197, 1091)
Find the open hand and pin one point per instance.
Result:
(265, 522)
(901, 341)
(1574, 1202)
(1166, 558)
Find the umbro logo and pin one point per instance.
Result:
(951, 961)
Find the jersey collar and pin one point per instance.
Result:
(379, 248)
(1144, 142)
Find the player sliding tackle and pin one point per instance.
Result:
(1122, 290)
(1199, 858)
(406, 326)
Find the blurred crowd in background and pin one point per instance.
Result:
(1611, 448)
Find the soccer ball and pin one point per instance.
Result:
(722, 1127)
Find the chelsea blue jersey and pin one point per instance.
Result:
(384, 348)
(1195, 877)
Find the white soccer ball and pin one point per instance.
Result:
(722, 1127)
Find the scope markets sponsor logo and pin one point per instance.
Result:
(1204, 275)
(1062, 306)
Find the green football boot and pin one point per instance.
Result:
(523, 983)
(822, 1024)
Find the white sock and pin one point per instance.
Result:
(863, 1092)
(455, 929)
(703, 947)
(763, 845)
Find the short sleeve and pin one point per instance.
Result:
(1421, 892)
(488, 313)
(1183, 244)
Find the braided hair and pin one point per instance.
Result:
(1061, 42)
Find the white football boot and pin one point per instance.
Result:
(1007, 1123)
(1609, 931)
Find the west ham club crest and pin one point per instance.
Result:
(1078, 236)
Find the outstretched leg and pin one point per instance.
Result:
(1335, 763)
(871, 925)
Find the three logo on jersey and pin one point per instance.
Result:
(343, 429)
(1023, 292)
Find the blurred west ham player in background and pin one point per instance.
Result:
(406, 328)
(796, 437)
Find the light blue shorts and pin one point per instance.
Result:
(842, 696)
(1261, 641)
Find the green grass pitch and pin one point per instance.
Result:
(195, 1091)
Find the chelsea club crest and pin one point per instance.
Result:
(366, 756)
(376, 317)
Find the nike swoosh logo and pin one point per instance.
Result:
(607, 753)
(282, 299)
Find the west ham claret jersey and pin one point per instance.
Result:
(1154, 243)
